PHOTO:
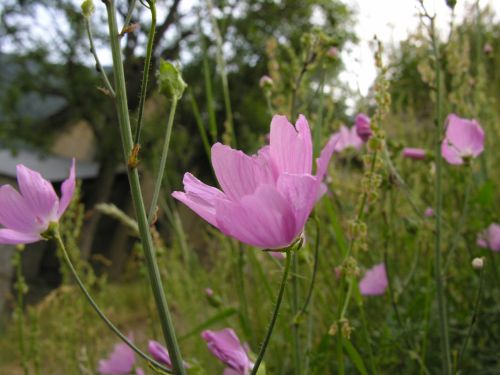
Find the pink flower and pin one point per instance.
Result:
(265, 198)
(414, 153)
(362, 124)
(332, 52)
(487, 49)
(27, 215)
(159, 353)
(226, 346)
(374, 282)
(464, 139)
(120, 362)
(266, 82)
(429, 212)
(346, 138)
(490, 238)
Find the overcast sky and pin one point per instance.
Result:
(390, 20)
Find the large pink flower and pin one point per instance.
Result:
(464, 139)
(27, 215)
(266, 198)
(121, 361)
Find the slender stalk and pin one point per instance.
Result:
(20, 286)
(366, 332)
(145, 73)
(96, 58)
(133, 175)
(441, 299)
(199, 124)
(297, 369)
(163, 161)
(473, 318)
(281, 292)
(99, 312)
(240, 286)
(131, 8)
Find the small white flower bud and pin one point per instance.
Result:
(478, 263)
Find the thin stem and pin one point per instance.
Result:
(131, 8)
(163, 161)
(441, 299)
(96, 58)
(473, 318)
(99, 312)
(461, 222)
(347, 298)
(199, 124)
(275, 314)
(240, 286)
(145, 73)
(133, 175)
(20, 286)
(367, 336)
(295, 306)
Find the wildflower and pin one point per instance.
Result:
(346, 138)
(429, 212)
(266, 82)
(332, 53)
(487, 49)
(265, 198)
(27, 216)
(414, 153)
(159, 353)
(363, 129)
(226, 346)
(374, 282)
(464, 140)
(120, 362)
(490, 238)
(478, 263)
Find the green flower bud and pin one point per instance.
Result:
(170, 82)
(87, 8)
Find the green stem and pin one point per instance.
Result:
(366, 332)
(240, 285)
(295, 307)
(275, 314)
(473, 318)
(131, 8)
(133, 175)
(99, 312)
(441, 299)
(163, 161)
(199, 124)
(145, 73)
(96, 58)
(20, 286)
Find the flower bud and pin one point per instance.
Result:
(87, 8)
(333, 53)
(170, 82)
(478, 263)
(363, 128)
(487, 49)
(266, 82)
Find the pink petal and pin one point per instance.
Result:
(450, 153)
(13, 237)
(490, 238)
(67, 190)
(324, 158)
(291, 147)
(464, 137)
(38, 194)
(263, 219)
(199, 197)
(120, 361)
(239, 174)
(230, 371)
(14, 212)
(226, 346)
(374, 282)
(301, 191)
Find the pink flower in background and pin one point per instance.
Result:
(159, 353)
(266, 198)
(490, 238)
(226, 346)
(429, 212)
(374, 282)
(346, 138)
(266, 81)
(414, 153)
(27, 215)
(120, 362)
(464, 139)
(363, 129)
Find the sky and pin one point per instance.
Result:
(390, 21)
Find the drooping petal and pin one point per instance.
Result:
(67, 190)
(199, 197)
(38, 194)
(226, 346)
(159, 353)
(291, 147)
(14, 237)
(239, 174)
(301, 191)
(264, 219)
(374, 282)
(121, 361)
(14, 212)
(324, 158)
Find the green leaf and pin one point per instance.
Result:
(355, 357)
